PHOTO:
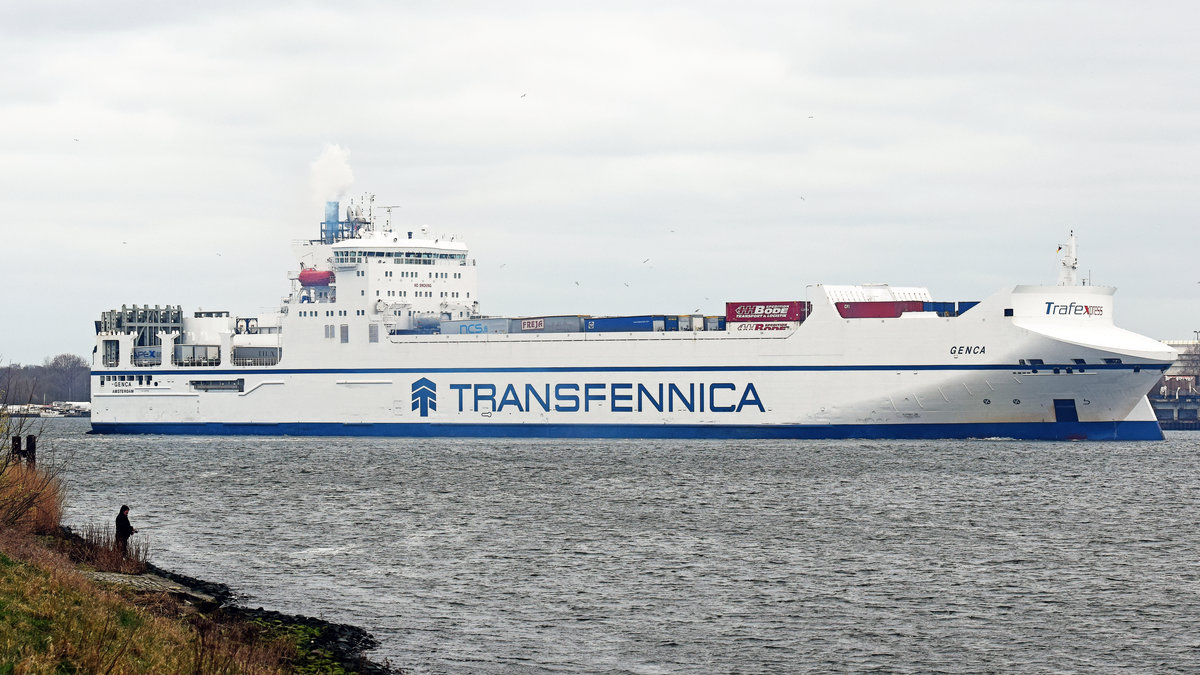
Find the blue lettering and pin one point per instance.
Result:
(489, 396)
(510, 398)
(621, 397)
(588, 396)
(750, 397)
(689, 402)
(530, 391)
(560, 396)
(713, 396)
(643, 391)
(460, 388)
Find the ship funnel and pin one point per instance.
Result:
(329, 228)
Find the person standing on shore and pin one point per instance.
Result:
(124, 530)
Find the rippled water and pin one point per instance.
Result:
(684, 556)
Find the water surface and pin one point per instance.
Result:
(683, 556)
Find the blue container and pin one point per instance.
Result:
(671, 323)
(623, 324)
(964, 306)
(474, 326)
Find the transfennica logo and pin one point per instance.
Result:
(424, 396)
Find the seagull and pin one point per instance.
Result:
(503, 264)
(626, 284)
(645, 261)
(522, 95)
(576, 283)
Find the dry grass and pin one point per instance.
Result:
(31, 497)
(58, 620)
(96, 546)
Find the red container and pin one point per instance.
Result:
(788, 310)
(888, 309)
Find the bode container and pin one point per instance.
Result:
(787, 310)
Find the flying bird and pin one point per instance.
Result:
(645, 261)
(576, 283)
(522, 95)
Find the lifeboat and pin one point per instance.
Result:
(315, 278)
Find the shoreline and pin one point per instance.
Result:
(346, 643)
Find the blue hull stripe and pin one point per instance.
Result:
(633, 369)
(1048, 431)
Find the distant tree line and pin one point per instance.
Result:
(65, 377)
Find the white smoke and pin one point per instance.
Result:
(331, 175)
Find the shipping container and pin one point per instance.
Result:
(888, 309)
(619, 324)
(671, 323)
(788, 310)
(547, 324)
(474, 326)
(966, 304)
(714, 323)
(941, 308)
(256, 356)
(197, 355)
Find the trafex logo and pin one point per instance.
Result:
(1074, 309)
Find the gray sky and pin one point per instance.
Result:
(164, 155)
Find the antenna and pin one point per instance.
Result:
(1069, 263)
(389, 213)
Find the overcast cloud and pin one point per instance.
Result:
(164, 155)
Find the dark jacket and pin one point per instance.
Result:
(124, 529)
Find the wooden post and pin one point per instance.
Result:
(16, 449)
(31, 449)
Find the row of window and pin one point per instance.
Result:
(128, 379)
(405, 256)
(414, 275)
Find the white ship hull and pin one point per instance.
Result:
(1014, 366)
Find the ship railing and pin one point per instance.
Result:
(146, 361)
(195, 362)
(269, 361)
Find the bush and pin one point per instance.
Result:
(31, 496)
(96, 546)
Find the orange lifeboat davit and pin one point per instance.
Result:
(315, 278)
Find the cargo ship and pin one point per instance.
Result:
(382, 334)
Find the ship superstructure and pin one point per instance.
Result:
(382, 334)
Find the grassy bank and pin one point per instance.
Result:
(55, 619)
